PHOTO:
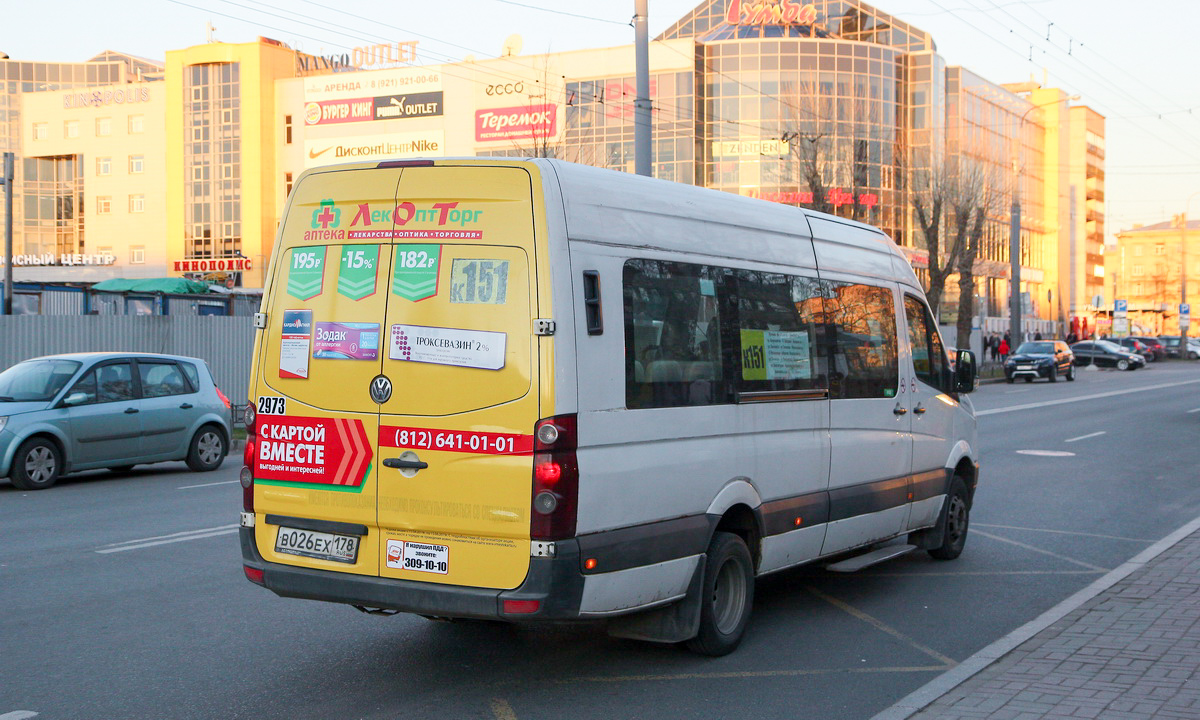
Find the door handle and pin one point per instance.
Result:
(900, 410)
(405, 464)
(185, 406)
(130, 411)
(919, 409)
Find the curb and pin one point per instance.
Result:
(926, 695)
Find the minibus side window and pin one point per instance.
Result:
(861, 340)
(673, 338)
(929, 357)
(778, 334)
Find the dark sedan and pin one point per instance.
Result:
(1155, 345)
(1105, 354)
(1134, 345)
(1040, 358)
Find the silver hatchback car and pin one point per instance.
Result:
(63, 413)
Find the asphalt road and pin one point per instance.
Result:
(122, 595)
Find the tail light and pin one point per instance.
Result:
(222, 396)
(249, 457)
(555, 479)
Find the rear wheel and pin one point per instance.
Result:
(956, 517)
(1122, 364)
(207, 450)
(37, 464)
(726, 596)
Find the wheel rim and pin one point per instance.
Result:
(956, 520)
(209, 448)
(729, 597)
(1122, 365)
(40, 465)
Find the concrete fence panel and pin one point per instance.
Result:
(226, 343)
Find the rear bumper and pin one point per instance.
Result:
(556, 583)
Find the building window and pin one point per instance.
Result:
(137, 255)
(1137, 250)
(137, 124)
(136, 164)
(103, 127)
(1138, 271)
(1160, 249)
(287, 128)
(71, 129)
(103, 166)
(137, 203)
(287, 182)
(41, 131)
(103, 204)
(212, 156)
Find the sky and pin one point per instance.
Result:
(1138, 69)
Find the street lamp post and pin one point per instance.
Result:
(1014, 229)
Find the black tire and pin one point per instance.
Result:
(207, 450)
(37, 464)
(1122, 364)
(726, 596)
(1009, 380)
(955, 521)
(1053, 374)
(1028, 379)
(1071, 373)
(121, 468)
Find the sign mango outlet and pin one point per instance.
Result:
(331, 452)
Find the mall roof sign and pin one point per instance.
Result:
(783, 12)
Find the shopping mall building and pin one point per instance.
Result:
(127, 167)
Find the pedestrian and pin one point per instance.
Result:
(1004, 348)
(1037, 335)
(1072, 338)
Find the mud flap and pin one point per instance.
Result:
(677, 622)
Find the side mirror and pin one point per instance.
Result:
(75, 398)
(966, 372)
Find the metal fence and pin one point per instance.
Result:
(225, 342)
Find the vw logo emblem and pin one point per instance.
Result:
(381, 389)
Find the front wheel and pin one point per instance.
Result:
(1122, 364)
(1071, 372)
(1053, 374)
(37, 464)
(956, 517)
(726, 596)
(207, 450)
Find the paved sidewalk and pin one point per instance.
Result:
(1127, 647)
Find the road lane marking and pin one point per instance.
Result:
(1097, 396)
(1085, 437)
(167, 539)
(1031, 548)
(502, 710)
(1046, 453)
(751, 674)
(880, 625)
(18, 715)
(955, 573)
(1196, 410)
(223, 482)
(1064, 532)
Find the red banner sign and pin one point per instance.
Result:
(467, 441)
(322, 451)
(514, 123)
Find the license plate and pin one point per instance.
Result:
(1024, 367)
(323, 546)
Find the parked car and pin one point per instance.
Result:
(64, 413)
(1160, 350)
(1137, 346)
(1103, 353)
(1040, 358)
(1171, 343)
